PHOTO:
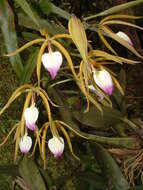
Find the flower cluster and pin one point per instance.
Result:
(52, 62)
(56, 146)
(94, 79)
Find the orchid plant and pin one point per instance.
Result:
(95, 80)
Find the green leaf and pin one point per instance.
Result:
(113, 174)
(116, 9)
(45, 6)
(52, 28)
(136, 188)
(29, 67)
(95, 119)
(31, 175)
(67, 117)
(9, 169)
(64, 110)
(91, 180)
(27, 9)
(119, 98)
(47, 178)
(48, 7)
(8, 30)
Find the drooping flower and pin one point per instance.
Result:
(92, 89)
(125, 37)
(103, 79)
(25, 144)
(31, 115)
(52, 62)
(56, 146)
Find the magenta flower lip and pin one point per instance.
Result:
(108, 90)
(30, 126)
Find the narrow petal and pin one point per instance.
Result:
(125, 37)
(52, 62)
(56, 146)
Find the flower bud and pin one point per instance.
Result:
(52, 62)
(56, 146)
(103, 79)
(25, 144)
(125, 37)
(31, 116)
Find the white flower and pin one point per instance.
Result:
(92, 89)
(103, 79)
(25, 143)
(56, 146)
(124, 37)
(31, 116)
(52, 62)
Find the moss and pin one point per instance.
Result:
(8, 84)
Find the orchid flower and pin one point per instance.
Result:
(56, 146)
(25, 144)
(31, 116)
(103, 79)
(52, 62)
(125, 37)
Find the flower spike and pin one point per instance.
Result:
(31, 116)
(103, 79)
(52, 62)
(56, 146)
(25, 144)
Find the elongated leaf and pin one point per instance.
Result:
(29, 67)
(67, 117)
(27, 9)
(47, 178)
(31, 175)
(115, 179)
(95, 119)
(9, 34)
(66, 114)
(47, 7)
(116, 9)
(52, 28)
(60, 12)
